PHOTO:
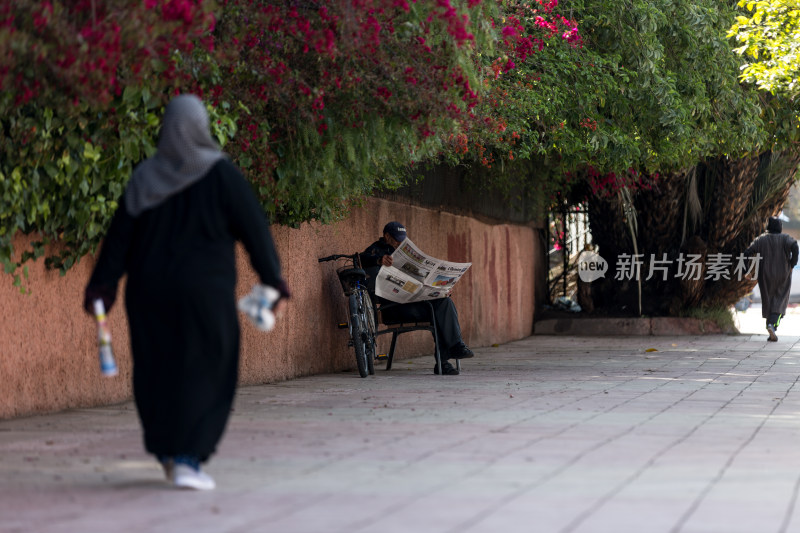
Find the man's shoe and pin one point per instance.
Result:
(447, 369)
(188, 477)
(460, 351)
(772, 336)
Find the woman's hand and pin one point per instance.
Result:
(95, 292)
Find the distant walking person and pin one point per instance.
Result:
(778, 253)
(174, 234)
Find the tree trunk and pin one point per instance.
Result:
(719, 207)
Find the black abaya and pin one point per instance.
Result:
(180, 261)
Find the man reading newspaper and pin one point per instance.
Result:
(418, 278)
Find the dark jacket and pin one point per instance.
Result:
(370, 260)
(372, 255)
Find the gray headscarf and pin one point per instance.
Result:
(186, 152)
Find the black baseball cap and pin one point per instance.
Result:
(396, 230)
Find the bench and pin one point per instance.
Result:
(398, 328)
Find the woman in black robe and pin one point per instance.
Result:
(174, 236)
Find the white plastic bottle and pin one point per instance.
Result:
(108, 366)
(258, 304)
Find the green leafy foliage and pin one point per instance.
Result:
(62, 173)
(319, 103)
(341, 101)
(769, 44)
(324, 102)
(654, 88)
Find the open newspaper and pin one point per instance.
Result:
(414, 276)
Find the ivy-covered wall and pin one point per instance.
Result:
(48, 354)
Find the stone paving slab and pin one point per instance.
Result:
(547, 434)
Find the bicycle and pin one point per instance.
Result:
(361, 313)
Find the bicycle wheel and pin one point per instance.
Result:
(358, 335)
(369, 314)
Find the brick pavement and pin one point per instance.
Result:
(547, 434)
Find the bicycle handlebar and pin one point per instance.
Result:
(336, 256)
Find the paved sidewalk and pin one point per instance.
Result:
(547, 434)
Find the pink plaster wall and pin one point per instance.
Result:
(48, 354)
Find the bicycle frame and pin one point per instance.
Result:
(360, 312)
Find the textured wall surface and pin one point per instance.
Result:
(48, 351)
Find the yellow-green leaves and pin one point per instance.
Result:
(769, 44)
